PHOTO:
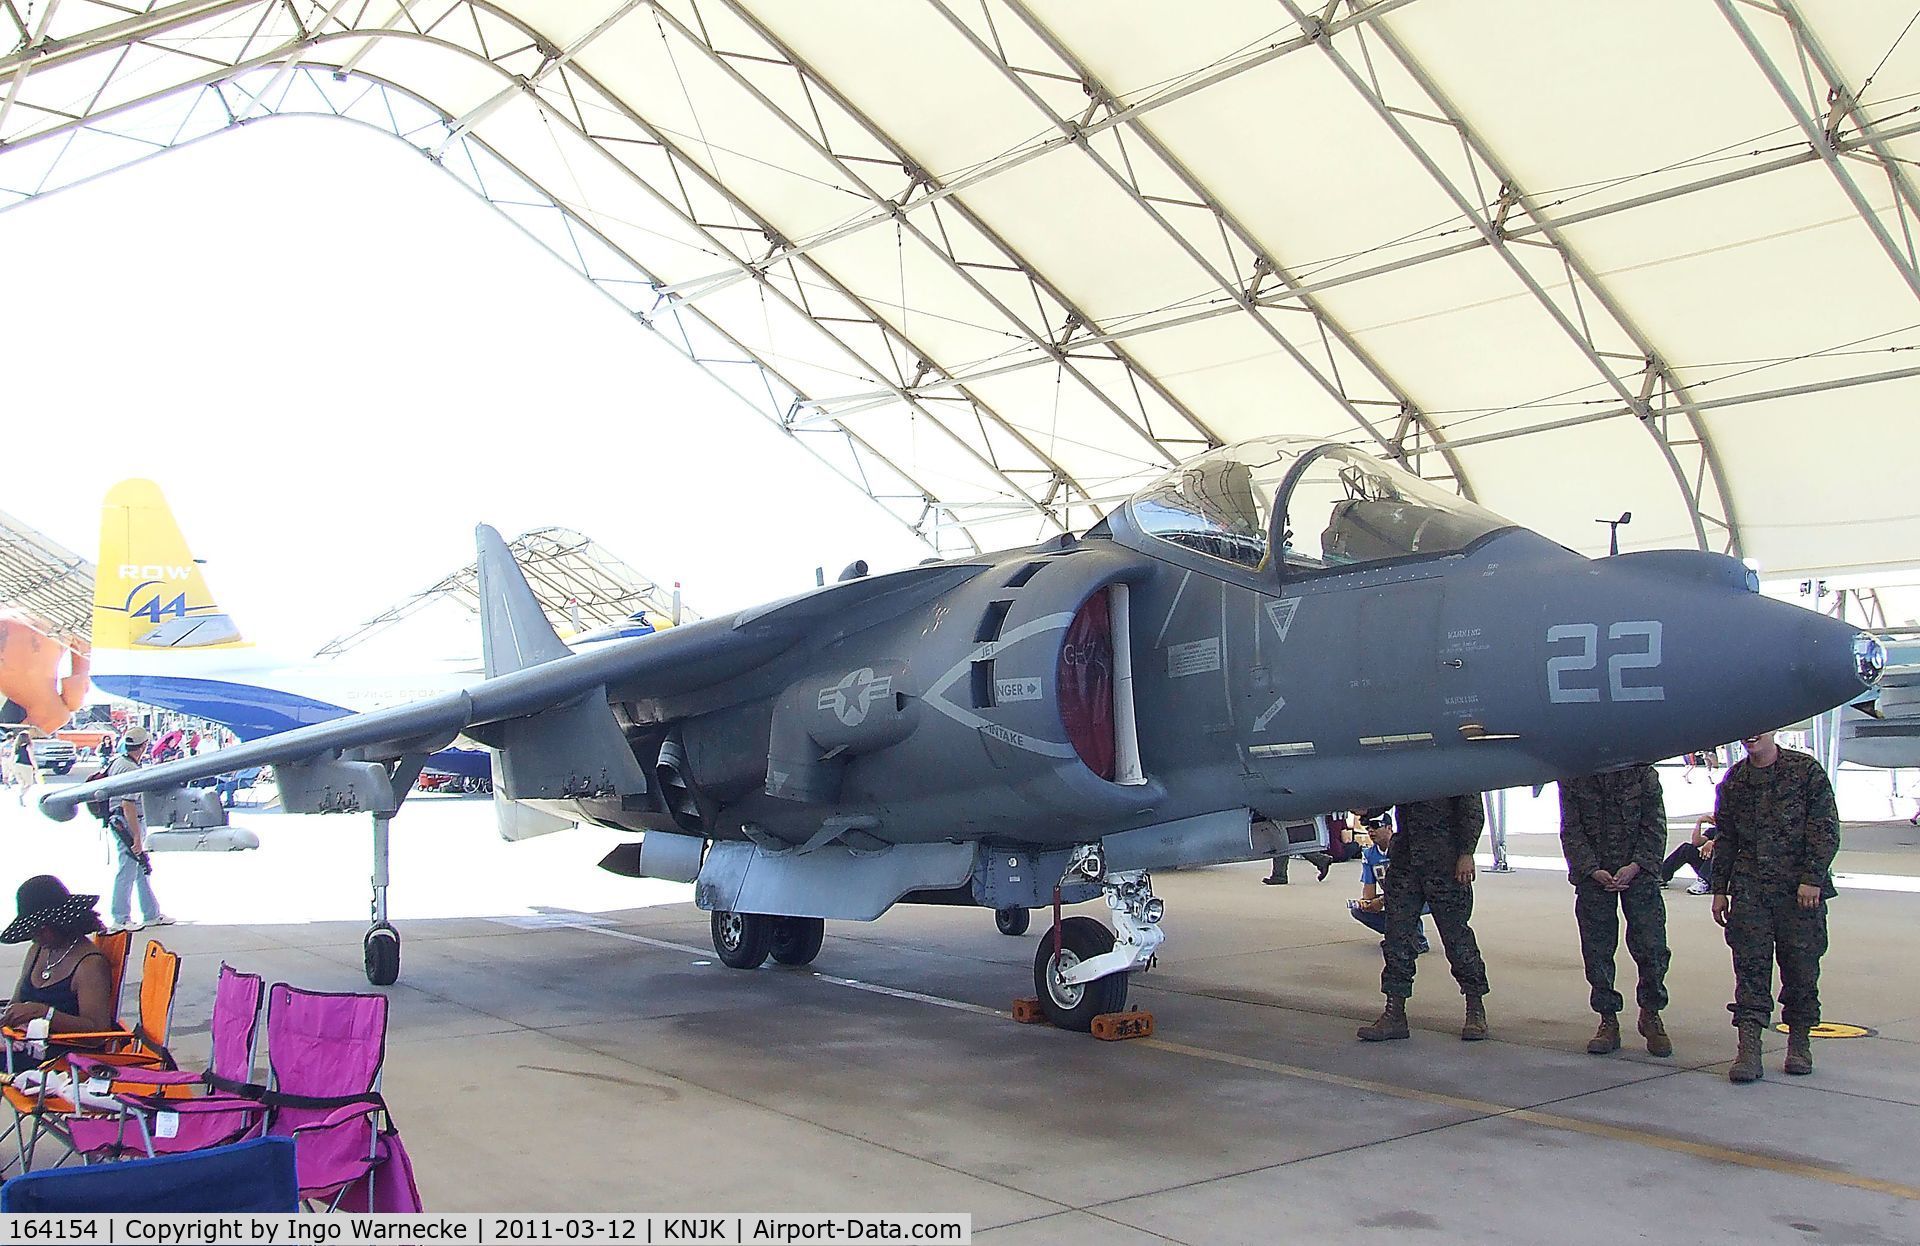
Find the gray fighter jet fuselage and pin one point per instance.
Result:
(1276, 630)
(1288, 688)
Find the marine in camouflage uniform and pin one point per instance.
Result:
(1772, 877)
(1424, 871)
(1613, 829)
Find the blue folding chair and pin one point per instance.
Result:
(256, 1176)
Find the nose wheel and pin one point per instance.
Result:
(1074, 1005)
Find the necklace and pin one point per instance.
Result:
(46, 974)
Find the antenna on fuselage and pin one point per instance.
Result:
(1613, 531)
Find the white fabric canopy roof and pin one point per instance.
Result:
(1001, 261)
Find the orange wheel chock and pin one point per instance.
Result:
(1111, 1027)
(1027, 1012)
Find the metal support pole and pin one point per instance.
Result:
(1496, 803)
(1826, 734)
(381, 823)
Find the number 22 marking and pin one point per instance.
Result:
(1618, 664)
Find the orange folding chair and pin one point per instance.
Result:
(44, 1100)
(114, 946)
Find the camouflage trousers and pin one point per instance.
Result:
(1451, 904)
(1598, 911)
(1762, 929)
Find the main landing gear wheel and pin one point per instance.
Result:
(742, 940)
(1074, 1006)
(381, 950)
(1012, 920)
(796, 940)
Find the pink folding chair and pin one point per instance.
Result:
(326, 1051)
(169, 1111)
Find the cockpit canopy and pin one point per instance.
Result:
(1326, 507)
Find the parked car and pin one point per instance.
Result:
(56, 756)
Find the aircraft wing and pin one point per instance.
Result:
(1888, 729)
(1900, 677)
(545, 708)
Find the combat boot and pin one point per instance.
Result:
(1746, 1065)
(1607, 1037)
(1475, 1027)
(1655, 1032)
(1392, 1023)
(1799, 1051)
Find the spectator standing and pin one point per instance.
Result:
(1431, 863)
(21, 764)
(1613, 829)
(1772, 878)
(133, 864)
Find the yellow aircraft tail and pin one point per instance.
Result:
(148, 592)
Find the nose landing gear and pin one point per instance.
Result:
(1081, 970)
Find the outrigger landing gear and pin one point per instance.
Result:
(1081, 969)
(741, 940)
(745, 940)
(796, 940)
(381, 948)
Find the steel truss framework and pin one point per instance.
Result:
(756, 253)
(45, 581)
(578, 582)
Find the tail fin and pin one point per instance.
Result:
(569, 751)
(148, 592)
(514, 630)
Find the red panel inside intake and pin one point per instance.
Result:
(1086, 685)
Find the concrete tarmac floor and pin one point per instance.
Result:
(552, 1048)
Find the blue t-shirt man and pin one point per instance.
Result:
(1373, 887)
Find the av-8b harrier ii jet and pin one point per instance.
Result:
(1274, 630)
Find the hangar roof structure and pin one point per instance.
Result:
(1000, 262)
(579, 583)
(45, 580)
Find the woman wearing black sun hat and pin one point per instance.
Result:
(64, 985)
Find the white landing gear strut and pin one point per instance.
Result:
(1136, 919)
(1081, 969)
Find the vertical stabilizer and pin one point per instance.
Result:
(514, 631)
(148, 592)
(565, 753)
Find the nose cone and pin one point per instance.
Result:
(1647, 656)
(1834, 662)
